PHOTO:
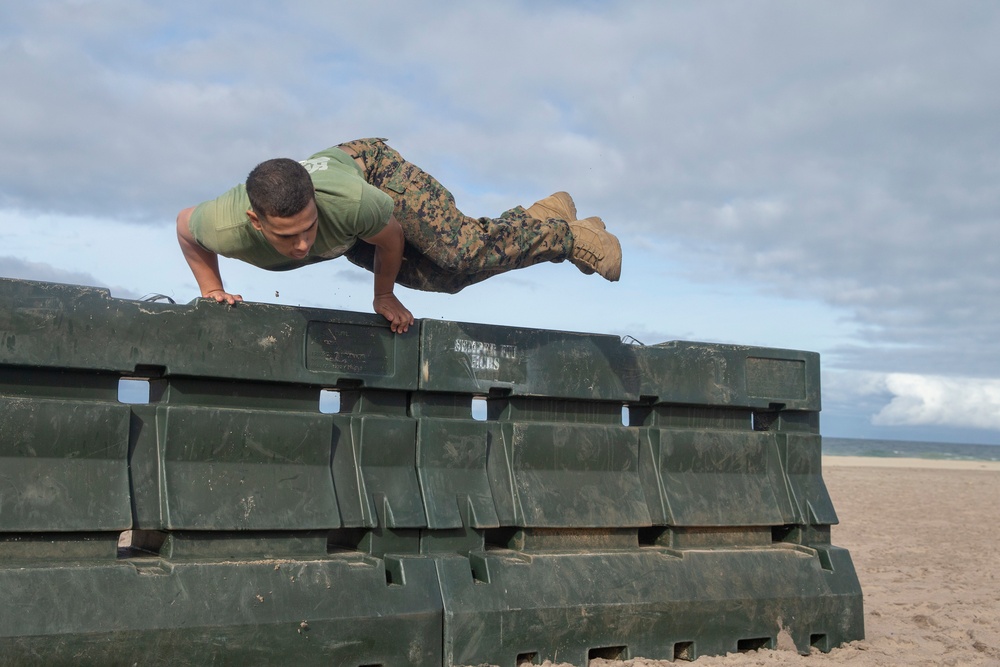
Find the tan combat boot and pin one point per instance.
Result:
(595, 249)
(558, 205)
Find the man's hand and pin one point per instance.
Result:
(222, 296)
(389, 307)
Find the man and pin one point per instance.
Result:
(290, 214)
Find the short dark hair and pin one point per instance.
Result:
(279, 188)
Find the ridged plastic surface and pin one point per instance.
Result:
(600, 499)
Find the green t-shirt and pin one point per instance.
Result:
(349, 208)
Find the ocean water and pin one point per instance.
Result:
(909, 449)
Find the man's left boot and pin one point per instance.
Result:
(557, 205)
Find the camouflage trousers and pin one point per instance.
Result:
(445, 249)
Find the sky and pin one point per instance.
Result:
(819, 176)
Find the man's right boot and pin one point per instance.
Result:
(596, 249)
(558, 205)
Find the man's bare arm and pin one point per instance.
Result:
(204, 263)
(388, 258)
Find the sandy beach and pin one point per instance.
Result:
(924, 538)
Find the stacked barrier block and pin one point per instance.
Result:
(612, 500)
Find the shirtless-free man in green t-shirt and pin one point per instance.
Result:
(348, 207)
(363, 200)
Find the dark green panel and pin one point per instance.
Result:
(649, 602)
(776, 378)
(63, 465)
(239, 545)
(65, 326)
(477, 358)
(566, 475)
(715, 478)
(374, 469)
(345, 463)
(226, 469)
(337, 611)
(803, 463)
(452, 460)
(352, 349)
(711, 374)
(35, 548)
(146, 469)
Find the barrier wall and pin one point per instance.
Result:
(611, 500)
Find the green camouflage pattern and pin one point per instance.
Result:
(447, 250)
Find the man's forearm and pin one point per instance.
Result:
(388, 257)
(203, 263)
(205, 267)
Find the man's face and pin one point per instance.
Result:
(292, 236)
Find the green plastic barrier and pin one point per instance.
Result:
(700, 528)
(483, 494)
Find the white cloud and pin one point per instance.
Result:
(912, 400)
(941, 401)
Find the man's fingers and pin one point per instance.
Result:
(403, 321)
(389, 307)
(225, 297)
(398, 322)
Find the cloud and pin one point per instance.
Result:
(929, 400)
(833, 154)
(908, 400)
(13, 267)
